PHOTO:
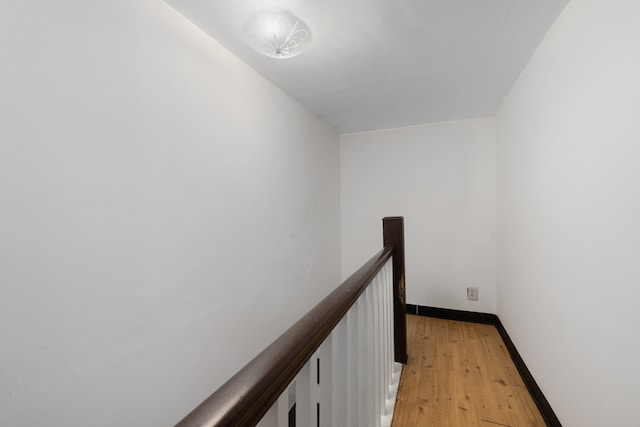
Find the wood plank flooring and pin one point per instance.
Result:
(460, 374)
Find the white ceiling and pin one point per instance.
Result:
(377, 64)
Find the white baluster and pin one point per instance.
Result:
(376, 374)
(367, 366)
(325, 382)
(283, 408)
(362, 363)
(382, 346)
(372, 391)
(350, 361)
(305, 395)
(353, 390)
(340, 375)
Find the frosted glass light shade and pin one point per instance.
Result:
(277, 33)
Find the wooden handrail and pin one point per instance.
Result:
(247, 396)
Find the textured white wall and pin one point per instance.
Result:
(569, 214)
(441, 178)
(166, 212)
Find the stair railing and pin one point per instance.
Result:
(339, 365)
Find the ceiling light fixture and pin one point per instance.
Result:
(277, 33)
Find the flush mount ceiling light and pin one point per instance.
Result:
(277, 33)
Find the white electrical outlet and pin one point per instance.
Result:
(472, 294)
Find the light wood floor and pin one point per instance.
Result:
(460, 374)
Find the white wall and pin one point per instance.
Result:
(441, 178)
(569, 214)
(166, 213)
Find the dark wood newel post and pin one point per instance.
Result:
(393, 234)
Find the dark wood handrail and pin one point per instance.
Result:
(248, 395)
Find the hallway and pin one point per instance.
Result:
(460, 374)
(153, 182)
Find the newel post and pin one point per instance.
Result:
(393, 234)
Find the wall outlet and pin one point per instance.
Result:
(472, 294)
